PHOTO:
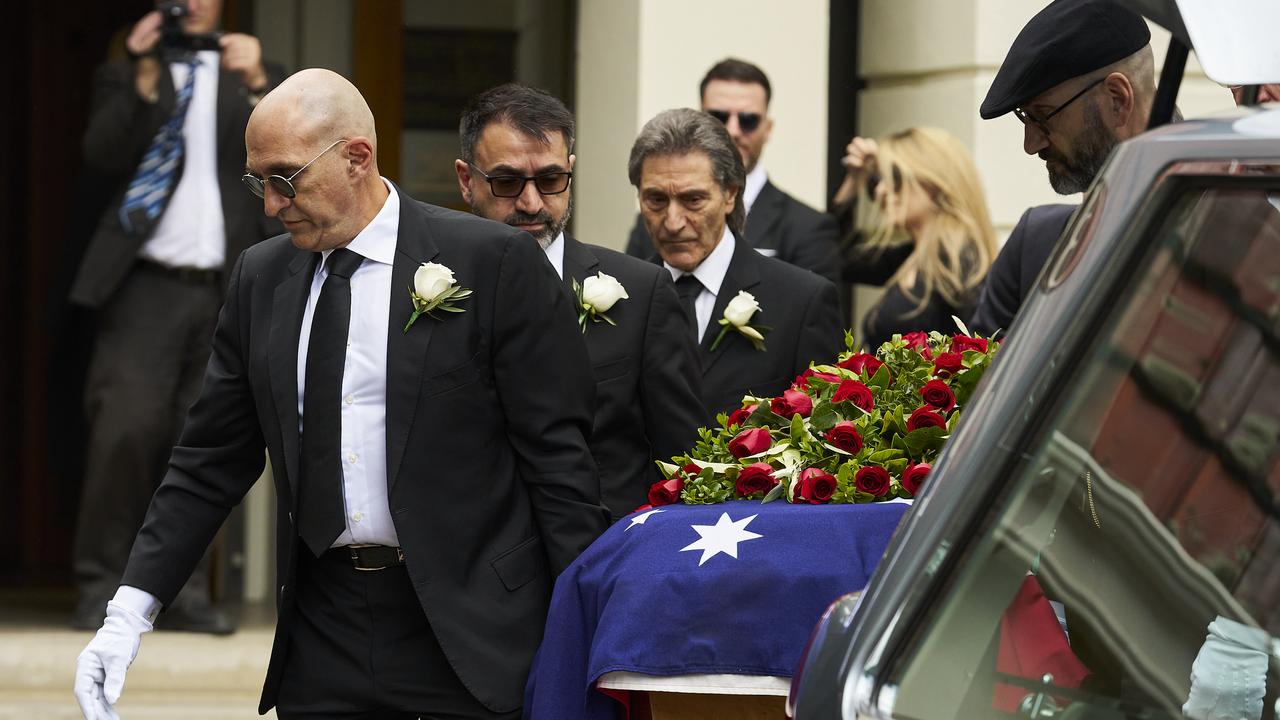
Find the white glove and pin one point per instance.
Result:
(102, 664)
(1229, 675)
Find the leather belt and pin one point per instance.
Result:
(186, 275)
(371, 557)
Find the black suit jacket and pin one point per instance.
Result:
(1018, 265)
(648, 382)
(491, 485)
(121, 128)
(801, 308)
(781, 227)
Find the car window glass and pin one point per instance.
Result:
(1131, 567)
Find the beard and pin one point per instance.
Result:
(551, 227)
(1092, 147)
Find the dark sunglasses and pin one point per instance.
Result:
(748, 121)
(512, 186)
(1040, 122)
(874, 180)
(282, 185)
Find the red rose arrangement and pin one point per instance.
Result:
(864, 428)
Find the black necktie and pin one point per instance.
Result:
(320, 505)
(688, 287)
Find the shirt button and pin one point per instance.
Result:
(351, 399)
(358, 516)
(352, 457)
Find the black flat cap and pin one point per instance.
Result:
(1067, 39)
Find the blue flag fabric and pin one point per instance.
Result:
(729, 588)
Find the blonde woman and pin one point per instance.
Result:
(926, 234)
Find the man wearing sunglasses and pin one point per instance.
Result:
(1080, 77)
(431, 467)
(165, 134)
(515, 168)
(737, 94)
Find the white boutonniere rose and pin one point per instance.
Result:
(737, 317)
(434, 289)
(596, 296)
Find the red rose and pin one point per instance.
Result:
(858, 362)
(872, 479)
(845, 436)
(816, 486)
(960, 343)
(754, 478)
(665, 492)
(855, 392)
(792, 402)
(913, 477)
(925, 417)
(739, 416)
(691, 469)
(948, 363)
(750, 442)
(918, 340)
(802, 380)
(939, 395)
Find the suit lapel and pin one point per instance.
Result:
(579, 263)
(765, 213)
(228, 95)
(287, 307)
(743, 274)
(406, 351)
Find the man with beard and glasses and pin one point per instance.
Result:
(516, 168)
(1080, 76)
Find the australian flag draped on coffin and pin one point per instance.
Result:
(689, 589)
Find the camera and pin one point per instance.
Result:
(175, 40)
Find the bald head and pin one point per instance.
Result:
(315, 134)
(317, 104)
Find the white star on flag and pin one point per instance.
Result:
(639, 519)
(723, 537)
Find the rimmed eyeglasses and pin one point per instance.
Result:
(512, 186)
(1028, 118)
(282, 185)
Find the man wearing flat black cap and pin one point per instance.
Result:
(1080, 76)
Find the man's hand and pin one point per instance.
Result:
(859, 155)
(1229, 675)
(141, 45)
(242, 54)
(101, 667)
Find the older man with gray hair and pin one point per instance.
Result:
(689, 177)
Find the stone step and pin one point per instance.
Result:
(176, 674)
(134, 706)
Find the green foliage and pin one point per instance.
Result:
(799, 442)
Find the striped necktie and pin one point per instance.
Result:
(148, 192)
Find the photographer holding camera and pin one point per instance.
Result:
(166, 131)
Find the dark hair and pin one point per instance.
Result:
(683, 131)
(736, 70)
(534, 112)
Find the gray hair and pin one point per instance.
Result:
(683, 131)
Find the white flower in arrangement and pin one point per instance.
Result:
(596, 296)
(737, 316)
(434, 289)
(602, 291)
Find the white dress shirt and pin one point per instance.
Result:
(555, 254)
(191, 232)
(364, 379)
(710, 272)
